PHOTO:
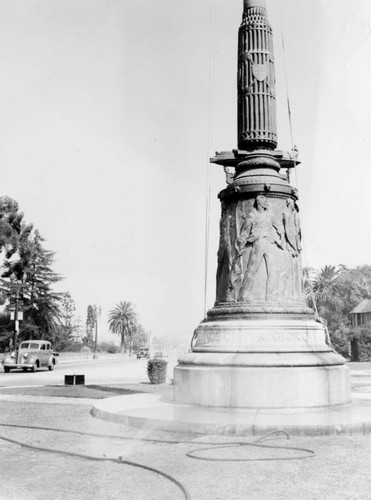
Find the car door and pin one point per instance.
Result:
(43, 355)
(49, 352)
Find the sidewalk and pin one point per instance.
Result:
(72, 357)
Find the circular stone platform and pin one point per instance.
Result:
(160, 412)
(265, 363)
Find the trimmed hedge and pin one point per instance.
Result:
(156, 370)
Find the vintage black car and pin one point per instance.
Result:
(143, 353)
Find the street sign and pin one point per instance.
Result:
(19, 315)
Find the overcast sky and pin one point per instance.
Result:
(110, 109)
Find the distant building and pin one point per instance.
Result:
(361, 314)
(361, 318)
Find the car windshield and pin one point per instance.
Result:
(24, 345)
(34, 346)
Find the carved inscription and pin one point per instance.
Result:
(251, 338)
(302, 337)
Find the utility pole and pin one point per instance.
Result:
(96, 334)
(16, 322)
(98, 311)
(17, 313)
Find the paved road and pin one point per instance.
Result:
(96, 371)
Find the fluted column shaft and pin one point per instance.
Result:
(256, 82)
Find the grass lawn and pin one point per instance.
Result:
(71, 391)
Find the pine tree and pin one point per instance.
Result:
(27, 273)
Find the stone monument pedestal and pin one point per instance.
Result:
(262, 363)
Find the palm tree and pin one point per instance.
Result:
(325, 286)
(123, 320)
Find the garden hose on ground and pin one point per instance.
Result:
(214, 445)
(192, 454)
(118, 460)
(258, 444)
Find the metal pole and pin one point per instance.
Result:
(96, 333)
(16, 323)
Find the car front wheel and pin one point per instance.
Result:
(51, 367)
(33, 368)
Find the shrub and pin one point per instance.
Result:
(156, 370)
(113, 349)
(66, 346)
(108, 347)
(340, 342)
(361, 343)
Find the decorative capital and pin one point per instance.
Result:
(248, 4)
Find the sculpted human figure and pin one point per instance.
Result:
(241, 256)
(291, 277)
(263, 235)
(292, 228)
(224, 256)
(229, 174)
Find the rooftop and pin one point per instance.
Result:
(363, 307)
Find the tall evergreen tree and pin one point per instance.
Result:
(91, 321)
(26, 273)
(41, 304)
(68, 327)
